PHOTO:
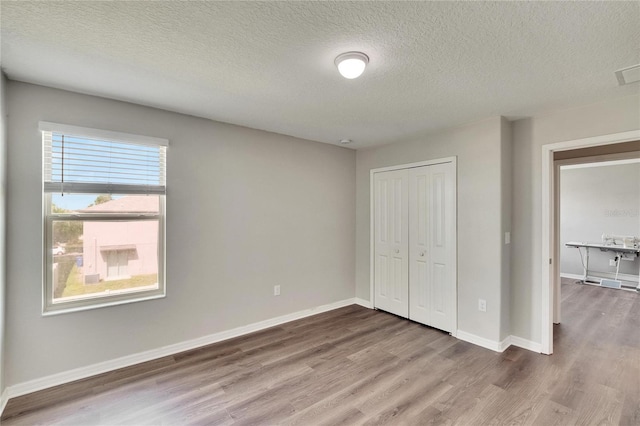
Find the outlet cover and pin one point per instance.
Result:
(482, 305)
(276, 290)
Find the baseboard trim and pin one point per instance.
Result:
(526, 344)
(502, 345)
(572, 276)
(364, 303)
(129, 360)
(623, 277)
(480, 341)
(4, 398)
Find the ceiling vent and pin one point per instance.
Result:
(628, 75)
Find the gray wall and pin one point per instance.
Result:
(529, 135)
(3, 206)
(479, 148)
(595, 201)
(506, 147)
(246, 210)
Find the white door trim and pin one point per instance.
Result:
(549, 239)
(454, 161)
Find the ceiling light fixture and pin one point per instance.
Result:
(351, 64)
(345, 141)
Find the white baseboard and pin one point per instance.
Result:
(4, 398)
(480, 341)
(623, 277)
(526, 344)
(364, 303)
(572, 276)
(126, 361)
(502, 345)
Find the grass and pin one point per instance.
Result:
(76, 287)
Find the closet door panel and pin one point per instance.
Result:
(391, 280)
(441, 251)
(419, 236)
(431, 215)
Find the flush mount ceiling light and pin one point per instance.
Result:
(345, 141)
(351, 64)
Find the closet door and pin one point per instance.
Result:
(432, 219)
(419, 251)
(391, 269)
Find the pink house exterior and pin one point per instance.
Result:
(119, 250)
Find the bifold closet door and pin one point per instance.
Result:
(391, 267)
(431, 245)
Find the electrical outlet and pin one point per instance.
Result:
(612, 262)
(482, 305)
(507, 237)
(276, 290)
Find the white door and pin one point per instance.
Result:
(391, 268)
(432, 219)
(117, 264)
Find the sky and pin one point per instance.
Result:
(75, 201)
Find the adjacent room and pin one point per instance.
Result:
(319, 212)
(600, 222)
(596, 302)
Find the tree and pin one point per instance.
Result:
(100, 199)
(65, 231)
(56, 209)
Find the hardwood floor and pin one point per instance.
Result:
(358, 366)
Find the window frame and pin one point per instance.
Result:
(100, 300)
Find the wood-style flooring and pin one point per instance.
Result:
(359, 366)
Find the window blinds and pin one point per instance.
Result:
(86, 164)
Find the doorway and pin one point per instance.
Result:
(117, 265)
(550, 310)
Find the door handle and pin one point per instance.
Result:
(422, 254)
(397, 251)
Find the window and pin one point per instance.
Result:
(104, 204)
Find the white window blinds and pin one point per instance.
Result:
(79, 160)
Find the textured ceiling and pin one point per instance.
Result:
(269, 65)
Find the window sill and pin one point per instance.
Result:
(61, 309)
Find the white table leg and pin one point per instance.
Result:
(586, 265)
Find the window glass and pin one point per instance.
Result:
(99, 258)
